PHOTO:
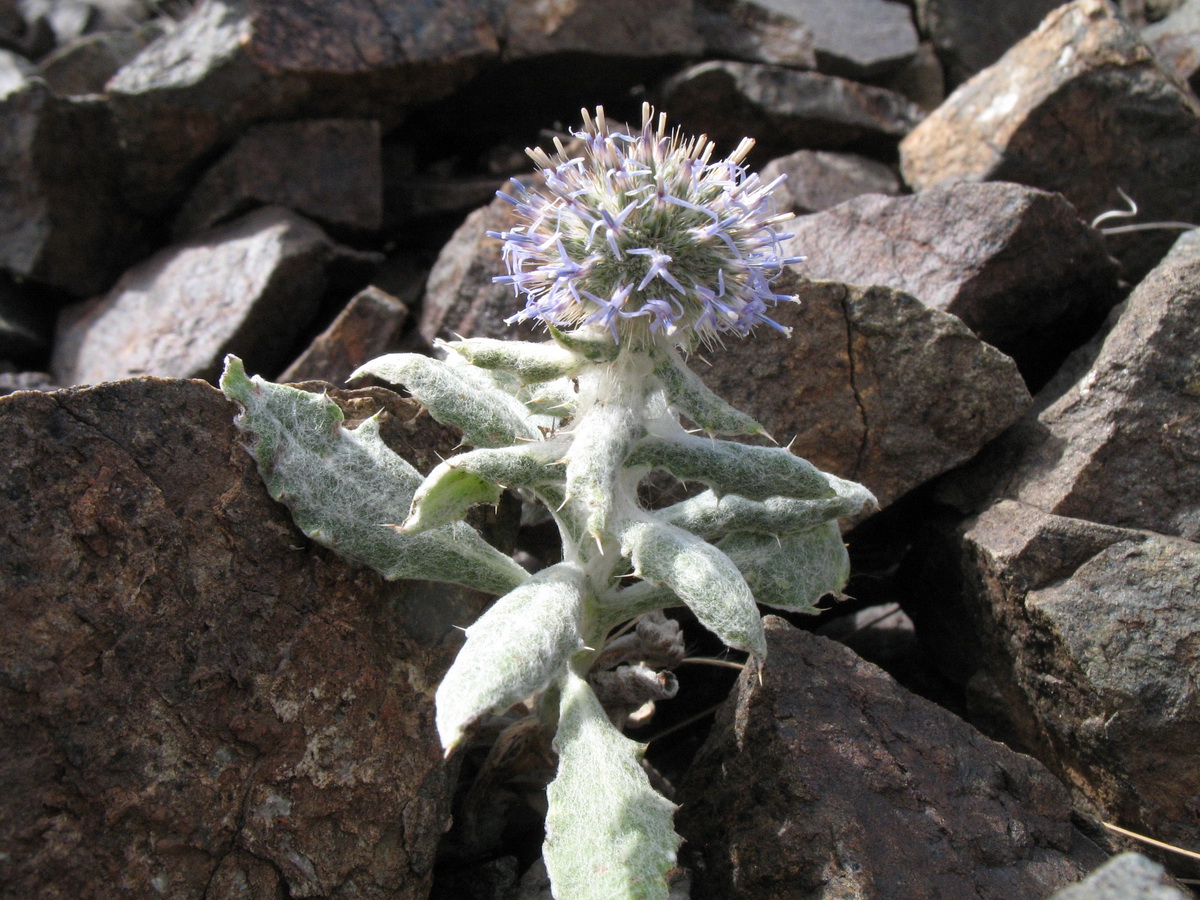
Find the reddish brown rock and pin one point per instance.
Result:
(248, 288)
(196, 702)
(626, 28)
(1014, 263)
(970, 35)
(1080, 107)
(819, 179)
(367, 328)
(327, 169)
(826, 779)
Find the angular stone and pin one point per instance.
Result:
(1175, 40)
(1014, 263)
(828, 780)
(235, 62)
(1091, 634)
(818, 179)
(61, 222)
(248, 288)
(970, 35)
(85, 65)
(368, 327)
(872, 385)
(197, 701)
(785, 109)
(1081, 107)
(326, 169)
(1119, 446)
(754, 32)
(628, 28)
(857, 38)
(1129, 876)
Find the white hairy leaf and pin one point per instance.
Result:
(692, 397)
(608, 833)
(601, 441)
(529, 363)
(792, 571)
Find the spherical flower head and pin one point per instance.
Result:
(645, 236)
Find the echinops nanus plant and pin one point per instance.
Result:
(634, 250)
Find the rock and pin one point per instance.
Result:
(1014, 263)
(1080, 107)
(85, 65)
(626, 28)
(1175, 40)
(1119, 446)
(784, 109)
(754, 32)
(970, 35)
(368, 327)
(858, 39)
(829, 780)
(26, 325)
(197, 701)
(818, 179)
(1129, 876)
(12, 381)
(872, 385)
(921, 79)
(233, 63)
(61, 222)
(328, 169)
(248, 288)
(1090, 633)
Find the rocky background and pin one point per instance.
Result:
(195, 702)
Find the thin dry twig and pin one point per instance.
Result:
(1191, 854)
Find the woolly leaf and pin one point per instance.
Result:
(557, 399)
(515, 649)
(692, 397)
(702, 577)
(793, 571)
(601, 441)
(454, 395)
(730, 468)
(345, 488)
(528, 362)
(594, 345)
(711, 517)
(608, 833)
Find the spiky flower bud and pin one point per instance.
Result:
(643, 235)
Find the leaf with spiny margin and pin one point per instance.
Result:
(601, 440)
(609, 835)
(793, 571)
(479, 476)
(755, 473)
(593, 344)
(515, 649)
(528, 362)
(487, 415)
(701, 576)
(557, 399)
(691, 396)
(711, 517)
(345, 488)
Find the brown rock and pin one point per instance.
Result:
(784, 109)
(230, 64)
(858, 38)
(826, 779)
(754, 32)
(1080, 107)
(196, 701)
(86, 64)
(248, 288)
(1175, 40)
(60, 219)
(326, 169)
(970, 35)
(368, 327)
(1090, 632)
(818, 179)
(1014, 263)
(873, 386)
(628, 28)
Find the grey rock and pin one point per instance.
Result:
(921, 79)
(1129, 876)
(1176, 42)
(626, 28)
(233, 63)
(85, 65)
(970, 35)
(367, 328)
(248, 288)
(1014, 263)
(1080, 107)
(826, 779)
(872, 385)
(1090, 634)
(326, 169)
(785, 109)
(855, 38)
(819, 179)
(198, 702)
(61, 221)
(754, 32)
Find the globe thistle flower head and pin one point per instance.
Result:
(645, 236)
